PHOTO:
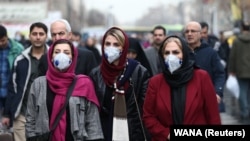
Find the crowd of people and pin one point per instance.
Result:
(121, 90)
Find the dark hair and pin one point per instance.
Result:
(245, 26)
(76, 33)
(3, 31)
(204, 24)
(40, 25)
(64, 41)
(159, 27)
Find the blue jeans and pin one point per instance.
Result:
(244, 97)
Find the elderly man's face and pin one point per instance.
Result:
(58, 31)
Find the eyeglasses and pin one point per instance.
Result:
(192, 31)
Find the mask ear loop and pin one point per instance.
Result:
(166, 64)
(180, 61)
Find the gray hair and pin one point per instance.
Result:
(68, 27)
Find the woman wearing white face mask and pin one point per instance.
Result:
(181, 95)
(120, 85)
(80, 120)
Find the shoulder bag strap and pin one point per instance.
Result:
(138, 110)
(69, 92)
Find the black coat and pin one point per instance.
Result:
(139, 81)
(85, 62)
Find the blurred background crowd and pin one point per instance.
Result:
(222, 18)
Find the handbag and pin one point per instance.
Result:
(47, 136)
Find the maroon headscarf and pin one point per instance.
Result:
(59, 83)
(110, 71)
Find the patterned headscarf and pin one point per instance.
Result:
(110, 71)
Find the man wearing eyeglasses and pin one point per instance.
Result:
(206, 58)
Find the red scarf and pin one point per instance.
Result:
(59, 83)
(109, 71)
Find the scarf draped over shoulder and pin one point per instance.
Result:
(59, 83)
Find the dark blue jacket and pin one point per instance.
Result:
(17, 85)
(208, 59)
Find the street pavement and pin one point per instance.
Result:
(228, 119)
(231, 116)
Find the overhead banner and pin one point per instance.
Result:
(23, 11)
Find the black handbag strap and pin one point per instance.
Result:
(69, 92)
(138, 110)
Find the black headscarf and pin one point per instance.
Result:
(181, 76)
(135, 46)
(178, 80)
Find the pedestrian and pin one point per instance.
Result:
(120, 85)
(224, 49)
(25, 70)
(215, 43)
(206, 58)
(76, 39)
(61, 29)
(210, 39)
(20, 37)
(81, 119)
(182, 94)
(91, 46)
(135, 51)
(239, 66)
(9, 50)
(159, 34)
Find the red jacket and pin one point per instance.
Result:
(201, 106)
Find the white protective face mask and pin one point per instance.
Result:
(112, 53)
(75, 43)
(173, 62)
(18, 37)
(62, 61)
